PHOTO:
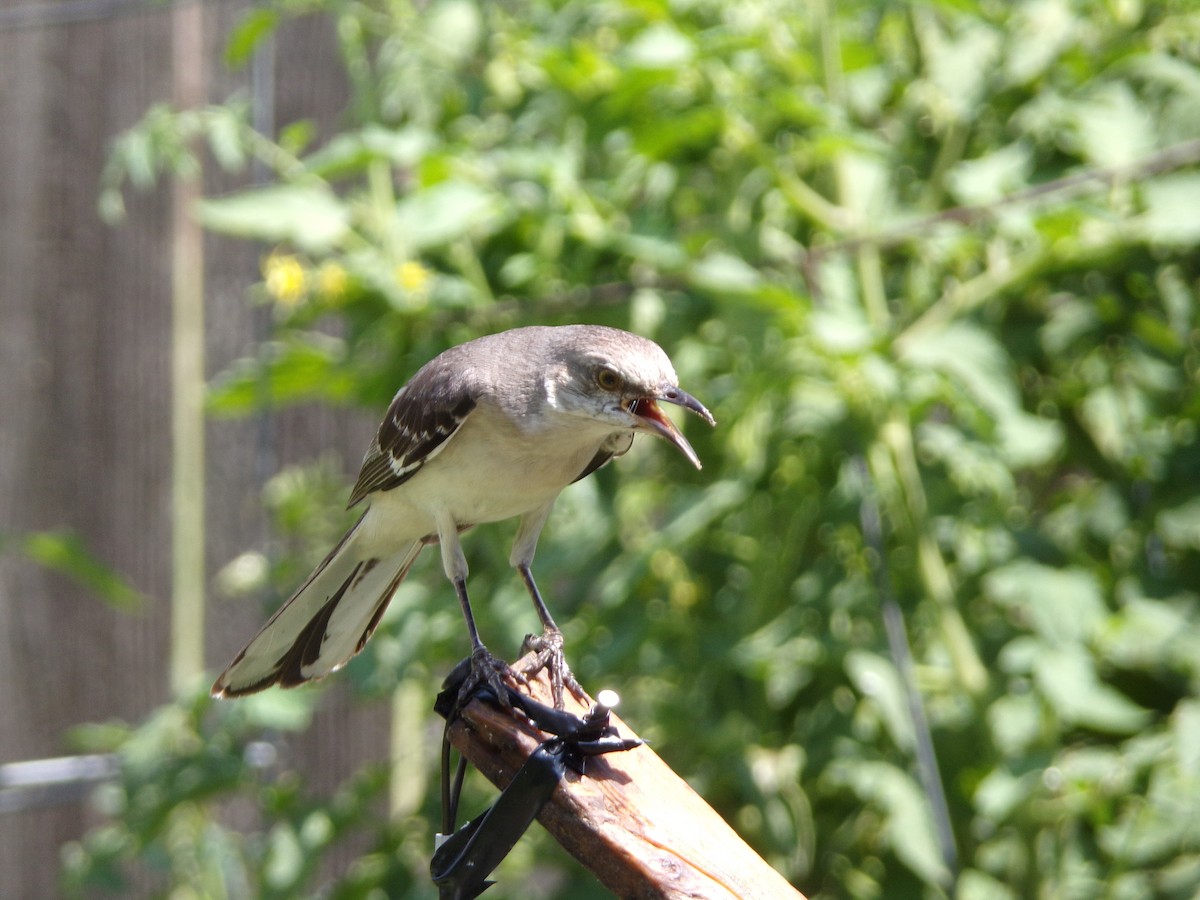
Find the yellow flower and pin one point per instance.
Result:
(285, 277)
(332, 280)
(413, 277)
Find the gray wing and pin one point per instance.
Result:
(423, 416)
(617, 445)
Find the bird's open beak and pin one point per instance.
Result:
(655, 421)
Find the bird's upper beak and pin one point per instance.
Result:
(646, 410)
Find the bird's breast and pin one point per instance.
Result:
(495, 468)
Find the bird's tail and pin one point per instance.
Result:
(324, 623)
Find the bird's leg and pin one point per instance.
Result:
(548, 646)
(485, 668)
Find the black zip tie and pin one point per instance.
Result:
(463, 859)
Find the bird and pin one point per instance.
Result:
(489, 430)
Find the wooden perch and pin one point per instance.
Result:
(630, 820)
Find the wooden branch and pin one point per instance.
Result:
(630, 820)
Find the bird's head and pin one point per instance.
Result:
(617, 379)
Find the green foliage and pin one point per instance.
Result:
(176, 770)
(939, 257)
(66, 554)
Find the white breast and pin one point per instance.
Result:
(492, 469)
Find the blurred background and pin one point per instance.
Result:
(926, 623)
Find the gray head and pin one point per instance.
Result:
(613, 378)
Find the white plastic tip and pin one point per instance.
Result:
(608, 698)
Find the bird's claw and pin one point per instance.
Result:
(488, 672)
(549, 649)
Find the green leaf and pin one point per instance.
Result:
(295, 136)
(1015, 722)
(1170, 218)
(135, 149)
(1064, 606)
(278, 710)
(660, 252)
(986, 179)
(1113, 415)
(248, 33)
(1067, 678)
(225, 141)
(301, 368)
(1153, 831)
(284, 861)
(877, 678)
(690, 129)
(973, 884)
(843, 329)
(910, 829)
(1179, 527)
(1185, 731)
(780, 655)
(660, 47)
(865, 181)
(960, 64)
(349, 153)
(444, 213)
(979, 363)
(64, 552)
(974, 467)
(1039, 33)
(725, 273)
(454, 28)
(1069, 321)
(1147, 633)
(308, 216)
(98, 737)
(1000, 793)
(1113, 127)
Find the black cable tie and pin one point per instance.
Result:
(464, 858)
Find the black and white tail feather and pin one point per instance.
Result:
(324, 624)
(333, 614)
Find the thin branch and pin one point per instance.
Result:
(901, 653)
(1175, 157)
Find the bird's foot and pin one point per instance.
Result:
(549, 649)
(487, 672)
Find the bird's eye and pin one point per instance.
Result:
(608, 379)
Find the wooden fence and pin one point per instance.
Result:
(86, 399)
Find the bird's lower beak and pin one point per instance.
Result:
(655, 421)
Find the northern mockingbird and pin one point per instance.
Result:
(489, 430)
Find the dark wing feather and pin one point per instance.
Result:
(422, 417)
(617, 445)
